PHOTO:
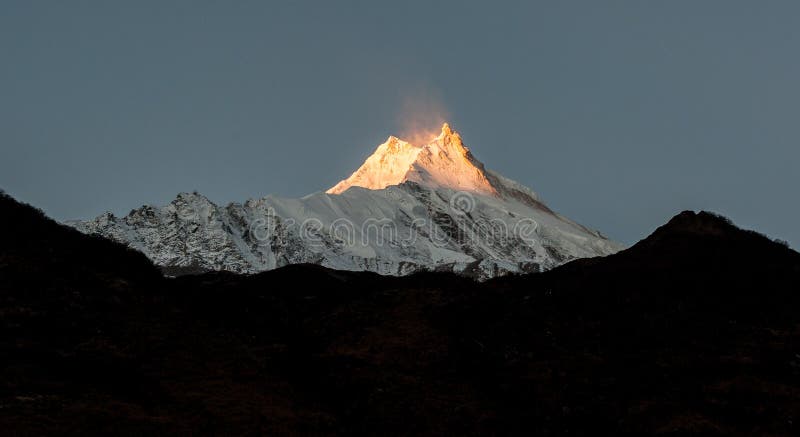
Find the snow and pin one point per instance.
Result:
(407, 208)
(444, 162)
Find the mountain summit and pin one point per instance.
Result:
(408, 208)
(443, 162)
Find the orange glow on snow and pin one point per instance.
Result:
(439, 160)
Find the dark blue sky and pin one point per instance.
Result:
(620, 114)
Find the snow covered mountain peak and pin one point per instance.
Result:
(446, 132)
(444, 162)
(412, 206)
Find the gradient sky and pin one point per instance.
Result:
(619, 114)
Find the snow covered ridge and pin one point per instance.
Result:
(386, 232)
(407, 208)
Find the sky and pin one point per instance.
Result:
(620, 114)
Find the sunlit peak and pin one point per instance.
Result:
(424, 157)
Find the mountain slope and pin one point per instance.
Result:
(442, 163)
(408, 208)
(680, 334)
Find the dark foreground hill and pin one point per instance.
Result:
(696, 329)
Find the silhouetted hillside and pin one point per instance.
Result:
(695, 329)
(37, 244)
